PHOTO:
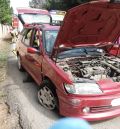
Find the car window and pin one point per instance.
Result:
(35, 18)
(36, 40)
(27, 37)
(50, 37)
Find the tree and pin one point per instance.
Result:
(56, 4)
(72, 3)
(5, 12)
(37, 3)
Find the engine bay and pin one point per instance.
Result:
(91, 68)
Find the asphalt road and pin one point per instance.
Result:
(22, 98)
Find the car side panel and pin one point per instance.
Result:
(54, 73)
(35, 63)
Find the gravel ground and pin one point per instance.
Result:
(8, 120)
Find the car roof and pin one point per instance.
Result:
(31, 10)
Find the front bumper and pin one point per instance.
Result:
(100, 107)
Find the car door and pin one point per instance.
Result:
(35, 60)
(22, 45)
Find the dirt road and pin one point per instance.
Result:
(8, 120)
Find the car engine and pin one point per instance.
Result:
(92, 68)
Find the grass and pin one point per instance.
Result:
(2, 94)
(4, 51)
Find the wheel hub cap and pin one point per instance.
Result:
(47, 98)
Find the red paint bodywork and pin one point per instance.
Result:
(41, 66)
(31, 50)
(90, 24)
(32, 10)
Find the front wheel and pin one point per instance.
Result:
(47, 96)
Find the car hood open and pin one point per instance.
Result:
(95, 24)
(31, 15)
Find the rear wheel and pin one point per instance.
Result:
(20, 67)
(47, 96)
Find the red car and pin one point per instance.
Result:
(76, 71)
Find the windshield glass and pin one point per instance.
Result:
(50, 37)
(73, 52)
(56, 17)
(35, 18)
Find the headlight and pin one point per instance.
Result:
(83, 88)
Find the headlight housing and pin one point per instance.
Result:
(83, 88)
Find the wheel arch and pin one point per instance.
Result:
(53, 86)
(46, 78)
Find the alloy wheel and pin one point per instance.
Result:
(47, 98)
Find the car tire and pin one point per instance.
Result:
(20, 67)
(47, 96)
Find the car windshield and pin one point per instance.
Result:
(86, 51)
(35, 18)
(50, 37)
(57, 16)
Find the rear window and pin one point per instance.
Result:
(35, 18)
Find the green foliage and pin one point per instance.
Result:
(5, 12)
(35, 3)
(56, 4)
(53, 5)
(72, 3)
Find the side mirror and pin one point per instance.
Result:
(32, 50)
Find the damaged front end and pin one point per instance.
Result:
(90, 67)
